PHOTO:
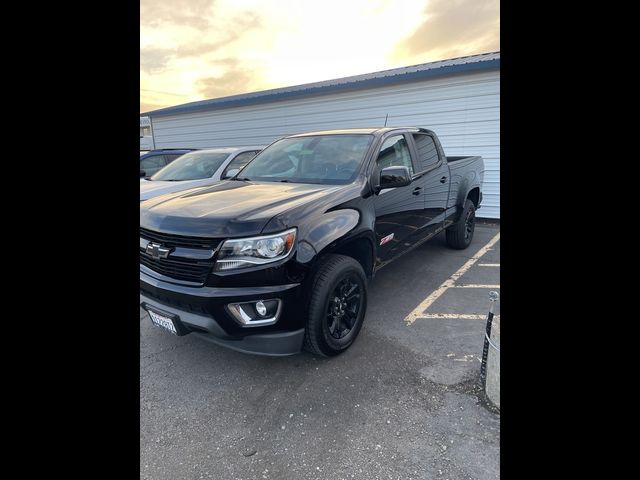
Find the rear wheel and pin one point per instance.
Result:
(459, 236)
(337, 305)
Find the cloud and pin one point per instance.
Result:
(454, 28)
(148, 107)
(195, 49)
(154, 60)
(233, 30)
(235, 79)
(192, 13)
(176, 58)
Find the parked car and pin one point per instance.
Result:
(279, 257)
(154, 160)
(197, 169)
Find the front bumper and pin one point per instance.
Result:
(201, 310)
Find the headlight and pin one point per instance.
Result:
(248, 252)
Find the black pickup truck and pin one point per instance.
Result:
(279, 257)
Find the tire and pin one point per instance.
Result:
(332, 326)
(459, 236)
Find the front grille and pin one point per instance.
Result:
(179, 268)
(169, 240)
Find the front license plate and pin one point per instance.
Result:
(162, 321)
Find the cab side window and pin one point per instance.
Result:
(427, 151)
(240, 161)
(152, 164)
(394, 153)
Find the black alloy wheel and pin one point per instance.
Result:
(343, 307)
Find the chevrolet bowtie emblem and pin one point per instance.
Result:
(157, 251)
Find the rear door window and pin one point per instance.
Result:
(426, 150)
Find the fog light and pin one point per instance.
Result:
(256, 313)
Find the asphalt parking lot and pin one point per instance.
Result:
(402, 403)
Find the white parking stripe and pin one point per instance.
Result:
(462, 316)
(488, 264)
(418, 312)
(476, 286)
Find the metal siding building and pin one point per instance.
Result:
(459, 99)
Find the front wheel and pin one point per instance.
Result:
(459, 236)
(337, 305)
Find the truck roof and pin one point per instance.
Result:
(356, 131)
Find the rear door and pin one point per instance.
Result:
(399, 211)
(435, 181)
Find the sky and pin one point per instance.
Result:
(200, 49)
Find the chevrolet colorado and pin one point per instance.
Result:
(278, 258)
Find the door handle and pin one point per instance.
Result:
(416, 191)
(443, 179)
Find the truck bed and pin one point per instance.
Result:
(462, 164)
(464, 171)
(457, 159)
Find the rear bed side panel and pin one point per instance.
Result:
(466, 173)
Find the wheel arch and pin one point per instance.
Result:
(474, 195)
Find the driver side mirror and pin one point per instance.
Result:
(394, 177)
(231, 173)
(143, 173)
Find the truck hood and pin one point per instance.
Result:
(228, 208)
(150, 189)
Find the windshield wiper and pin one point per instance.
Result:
(285, 181)
(242, 179)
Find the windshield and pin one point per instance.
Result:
(192, 166)
(326, 159)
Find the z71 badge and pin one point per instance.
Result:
(386, 239)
